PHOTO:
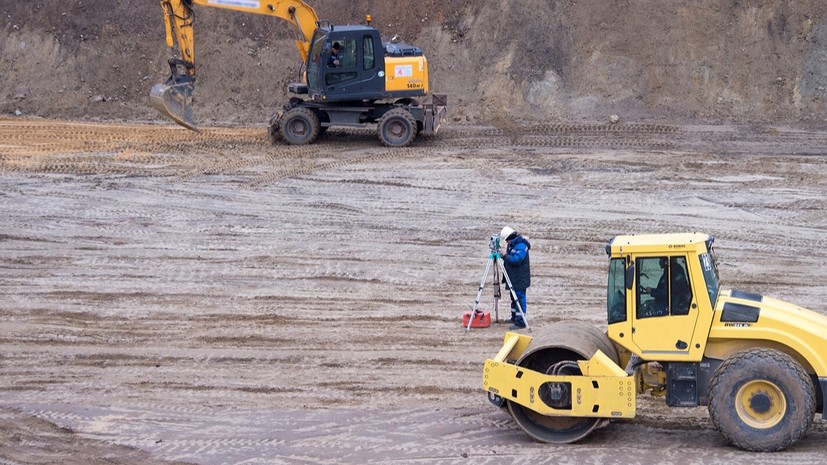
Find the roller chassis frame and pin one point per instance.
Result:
(604, 390)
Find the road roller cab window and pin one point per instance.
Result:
(710, 271)
(662, 287)
(616, 300)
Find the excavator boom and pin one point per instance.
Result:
(173, 98)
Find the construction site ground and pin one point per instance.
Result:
(211, 298)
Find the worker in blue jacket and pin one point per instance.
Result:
(518, 267)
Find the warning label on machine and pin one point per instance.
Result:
(403, 71)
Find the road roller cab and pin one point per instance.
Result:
(660, 294)
(759, 364)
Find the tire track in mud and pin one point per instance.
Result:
(200, 310)
(461, 141)
(559, 136)
(456, 434)
(593, 143)
(542, 129)
(64, 148)
(292, 172)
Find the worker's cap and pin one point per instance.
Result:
(506, 233)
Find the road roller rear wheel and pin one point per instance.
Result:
(762, 400)
(564, 341)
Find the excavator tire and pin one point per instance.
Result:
(761, 400)
(563, 341)
(299, 126)
(397, 128)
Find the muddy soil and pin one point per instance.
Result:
(211, 298)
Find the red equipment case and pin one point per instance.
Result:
(481, 319)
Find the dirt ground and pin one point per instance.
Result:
(214, 299)
(210, 298)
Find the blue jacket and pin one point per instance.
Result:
(517, 263)
(331, 59)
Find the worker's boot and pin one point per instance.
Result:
(517, 322)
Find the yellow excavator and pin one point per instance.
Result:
(759, 364)
(351, 77)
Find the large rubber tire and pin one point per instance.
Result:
(567, 340)
(761, 400)
(299, 126)
(397, 128)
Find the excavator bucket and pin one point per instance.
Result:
(175, 102)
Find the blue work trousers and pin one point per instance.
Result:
(515, 313)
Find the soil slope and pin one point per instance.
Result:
(535, 60)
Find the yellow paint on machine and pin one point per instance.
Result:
(406, 74)
(603, 391)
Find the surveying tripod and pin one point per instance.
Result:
(495, 261)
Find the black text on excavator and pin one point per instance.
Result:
(367, 82)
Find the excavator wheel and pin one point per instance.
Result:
(563, 341)
(299, 126)
(397, 128)
(761, 400)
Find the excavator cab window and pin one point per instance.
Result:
(315, 61)
(346, 69)
(369, 60)
(662, 287)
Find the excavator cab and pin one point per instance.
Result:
(357, 72)
(366, 68)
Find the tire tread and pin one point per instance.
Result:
(720, 410)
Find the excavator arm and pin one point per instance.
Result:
(173, 98)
